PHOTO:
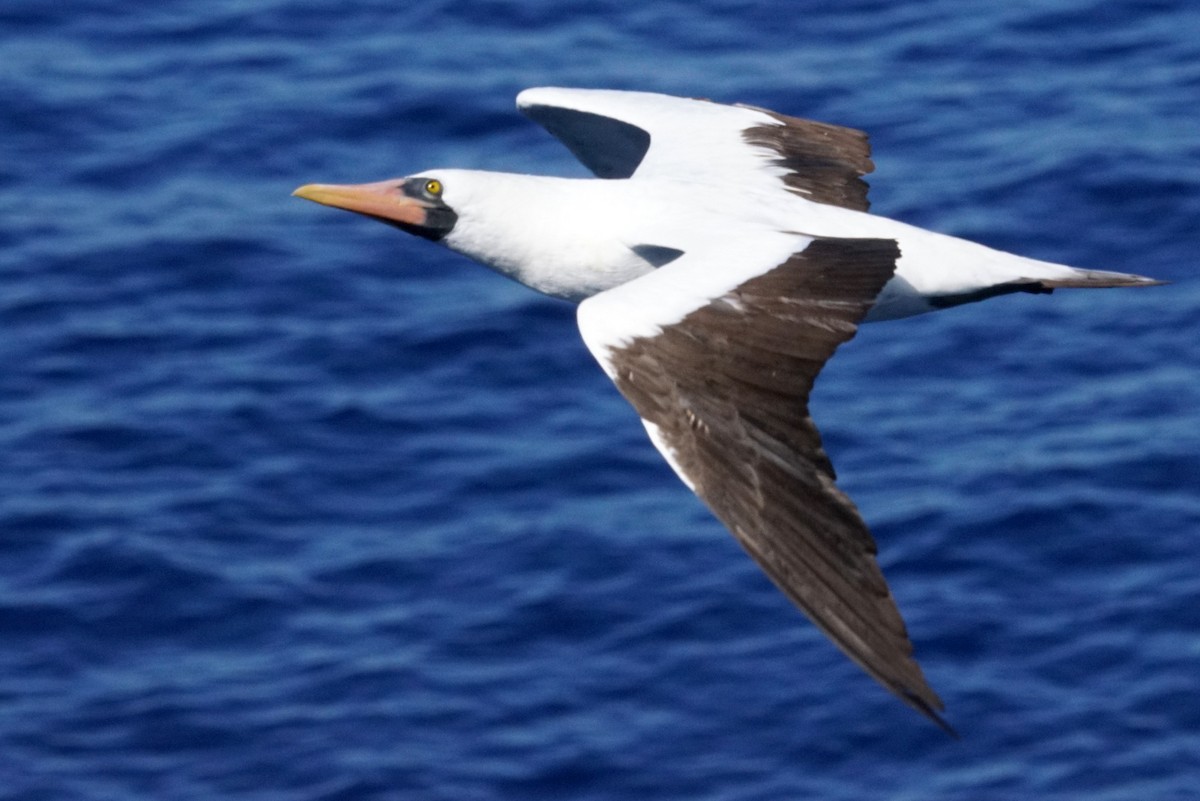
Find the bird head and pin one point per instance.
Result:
(413, 204)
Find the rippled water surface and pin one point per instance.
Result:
(295, 507)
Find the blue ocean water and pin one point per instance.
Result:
(295, 507)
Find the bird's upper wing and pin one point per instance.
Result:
(718, 360)
(619, 134)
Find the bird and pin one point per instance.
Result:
(719, 256)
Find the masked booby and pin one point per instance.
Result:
(719, 258)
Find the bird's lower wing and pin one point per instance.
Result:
(720, 370)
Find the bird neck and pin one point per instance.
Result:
(569, 238)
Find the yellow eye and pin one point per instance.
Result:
(433, 187)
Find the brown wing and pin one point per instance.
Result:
(825, 162)
(727, 389)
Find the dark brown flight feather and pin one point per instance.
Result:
(826, 162)
(728, 388)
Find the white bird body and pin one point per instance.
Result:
(574, 237)
(720, 257)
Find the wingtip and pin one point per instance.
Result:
(930, 711)
(525, 96)
(942, 723)
(539, 96)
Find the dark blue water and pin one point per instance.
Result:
(295, 507)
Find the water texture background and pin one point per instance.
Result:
(295, 507)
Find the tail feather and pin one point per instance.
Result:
(1077, 279)
(1091, 279)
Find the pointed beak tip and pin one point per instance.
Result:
(304, 191)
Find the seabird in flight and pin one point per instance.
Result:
(720, 257)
